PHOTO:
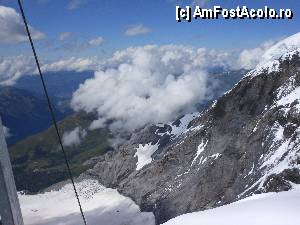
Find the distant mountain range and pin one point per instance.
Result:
(60, 84)
(24, 109)
(25, 114)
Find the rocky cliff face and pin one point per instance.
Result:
(247, 141)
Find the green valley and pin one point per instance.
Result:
(38, 161)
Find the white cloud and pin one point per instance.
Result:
(249, 58)
(148, 84)
(64, 35)
(12, 68)
(6, 131)
(151, 84)
(74, 44)
(75, 4)
(96, 42)
(72, 64)
(137, 30)
(73, 137)
(12, 27)
(100, 122)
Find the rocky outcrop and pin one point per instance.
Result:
(248, 141)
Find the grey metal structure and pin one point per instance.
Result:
(9, 203)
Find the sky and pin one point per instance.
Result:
(148, 67)
(85, 28)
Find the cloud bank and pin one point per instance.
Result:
(12, 68)
(12, 27)
(152, 84)
(72, 64)
(148, 84)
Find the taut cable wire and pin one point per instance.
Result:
(51, 111)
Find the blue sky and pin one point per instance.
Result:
(69, 33)
(86, 20)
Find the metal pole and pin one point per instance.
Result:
(10, 210)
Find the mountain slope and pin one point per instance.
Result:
(60, 84)
(24, 109)
(25, 114)
(247, 142)
(38, 161)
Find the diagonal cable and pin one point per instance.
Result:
(51, 111)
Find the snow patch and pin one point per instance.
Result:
(252, 169)
(181, 127)
(197, 128)
(283, 152)
(265, 67)
(290, 98)
(215, 156)
(144, 153)
(289, 44)
(200, 149)
(184, 122)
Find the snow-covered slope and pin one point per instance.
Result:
(101, 206)
(179, 126)
(265, 209)
(282, 50)
(285, 46)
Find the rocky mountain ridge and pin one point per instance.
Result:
(247, 142)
